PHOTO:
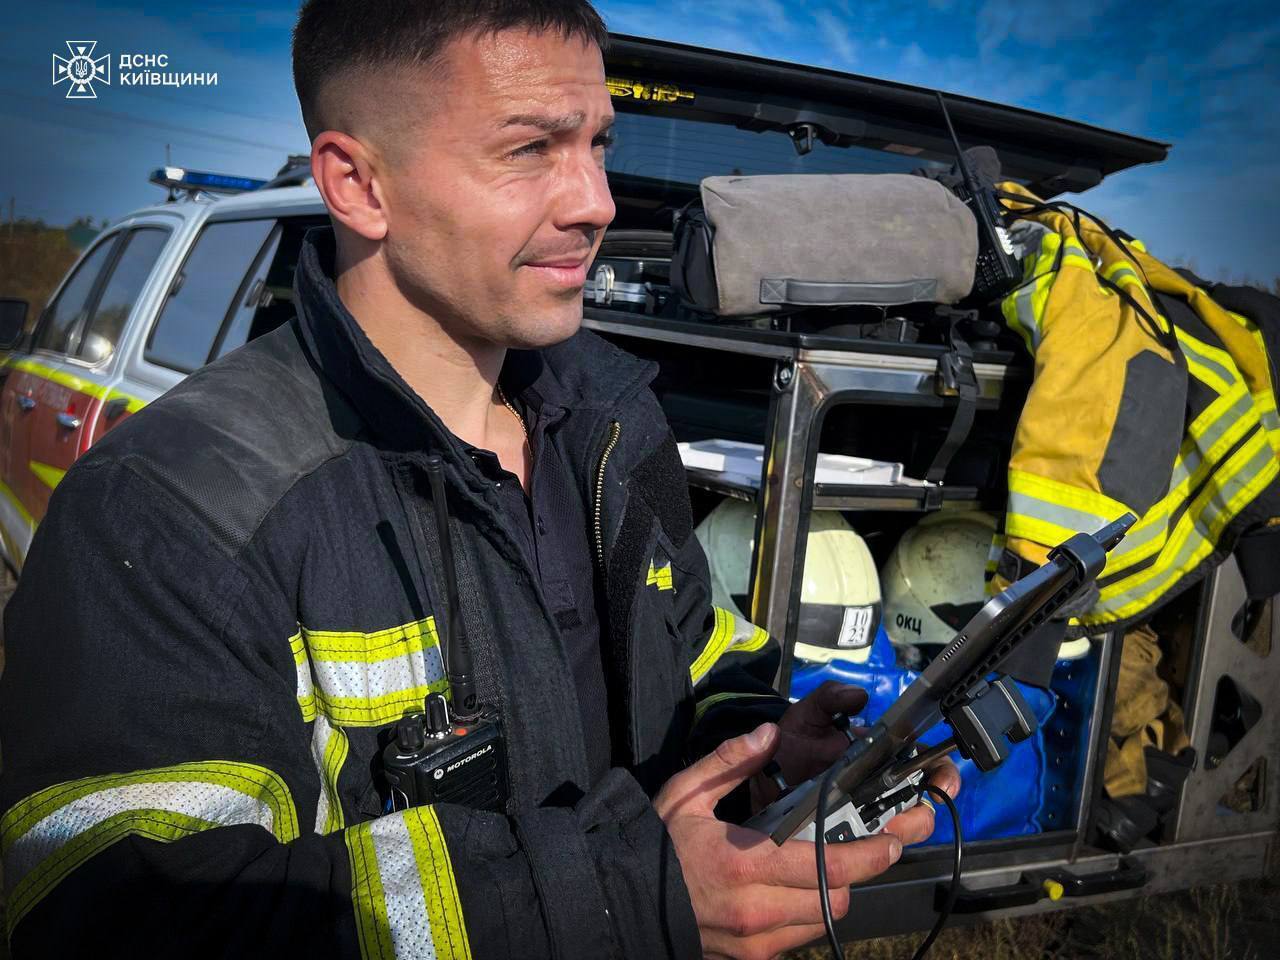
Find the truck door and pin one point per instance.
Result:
(77, 366)
(26, 385)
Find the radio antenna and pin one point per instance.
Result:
(453, 638)
(969, 180)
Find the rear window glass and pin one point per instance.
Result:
(203, 293)
(680, 152)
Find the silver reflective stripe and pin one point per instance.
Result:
(1069, 518)
(329, 751)
(1212, 509)
(1156, 521)
(1027, 314)
(402, 889)
(368, 680)
(213, 803)
(1189, 346)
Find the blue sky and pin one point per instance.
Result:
(1205, 77)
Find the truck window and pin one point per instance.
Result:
(267, 300)
(132, 267)
(63, 316)
(204, 292)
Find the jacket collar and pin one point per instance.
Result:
(584, 371)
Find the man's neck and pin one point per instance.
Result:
(455, 379)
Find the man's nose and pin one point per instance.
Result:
(585, 199)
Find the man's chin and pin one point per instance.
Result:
(545, 328)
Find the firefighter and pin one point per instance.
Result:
(237, 590)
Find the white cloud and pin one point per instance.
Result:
(834, 32)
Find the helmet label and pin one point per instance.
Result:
(857, 627)
(905, 622)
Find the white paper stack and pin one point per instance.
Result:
(742, 463)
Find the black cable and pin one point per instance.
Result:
(945, 913)
(820, 848)
(824, 891)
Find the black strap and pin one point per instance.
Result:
(956, 377)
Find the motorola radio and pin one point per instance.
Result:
(998, 270)
(452, 751)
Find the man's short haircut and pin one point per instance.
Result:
(334, 39)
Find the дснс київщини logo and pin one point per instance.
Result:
(81, 70)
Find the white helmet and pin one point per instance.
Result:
(840, 596)
(934, 579)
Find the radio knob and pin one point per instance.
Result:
(410, 736)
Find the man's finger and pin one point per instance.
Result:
(944, 775)
(776, 907)
(827, 700)
(795, 863)
(698, 788)
(913, 826)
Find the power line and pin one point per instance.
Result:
(96, 112)
(73, 122)
(207, 106)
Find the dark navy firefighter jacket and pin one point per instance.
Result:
(237, 589)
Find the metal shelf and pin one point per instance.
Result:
(829, 496)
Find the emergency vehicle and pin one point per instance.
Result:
(173, 286)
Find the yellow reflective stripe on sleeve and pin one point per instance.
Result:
(729, 633)
(706, 703)
(1210, 365)
(341, 645)
(329, 749)
(1239, 480)
(1024, 307)
(403, 889)
(1075, 255)
(306, 690)
(50, 833)
(370, 679)
(1213, 433)
(659, 577)
(1049, 511)
(1265, 403)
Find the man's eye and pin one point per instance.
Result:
(529, 149)
(605, 140)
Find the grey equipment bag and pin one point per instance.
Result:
(764, 244)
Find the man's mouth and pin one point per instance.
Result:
(564, 272)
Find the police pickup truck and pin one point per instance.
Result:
(171, 287)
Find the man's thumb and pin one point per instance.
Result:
(702, 785)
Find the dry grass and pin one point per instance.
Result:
(1230, 922)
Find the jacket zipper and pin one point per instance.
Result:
(615, 431)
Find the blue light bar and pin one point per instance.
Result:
(179, 178)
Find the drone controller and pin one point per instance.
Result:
(852, 822)
(881, 774)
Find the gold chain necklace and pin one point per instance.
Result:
(519, 419)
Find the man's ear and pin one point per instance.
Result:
(348, 179)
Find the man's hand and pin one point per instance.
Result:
(752, 898)
(810, 741)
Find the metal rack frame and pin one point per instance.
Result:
(812, 376)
